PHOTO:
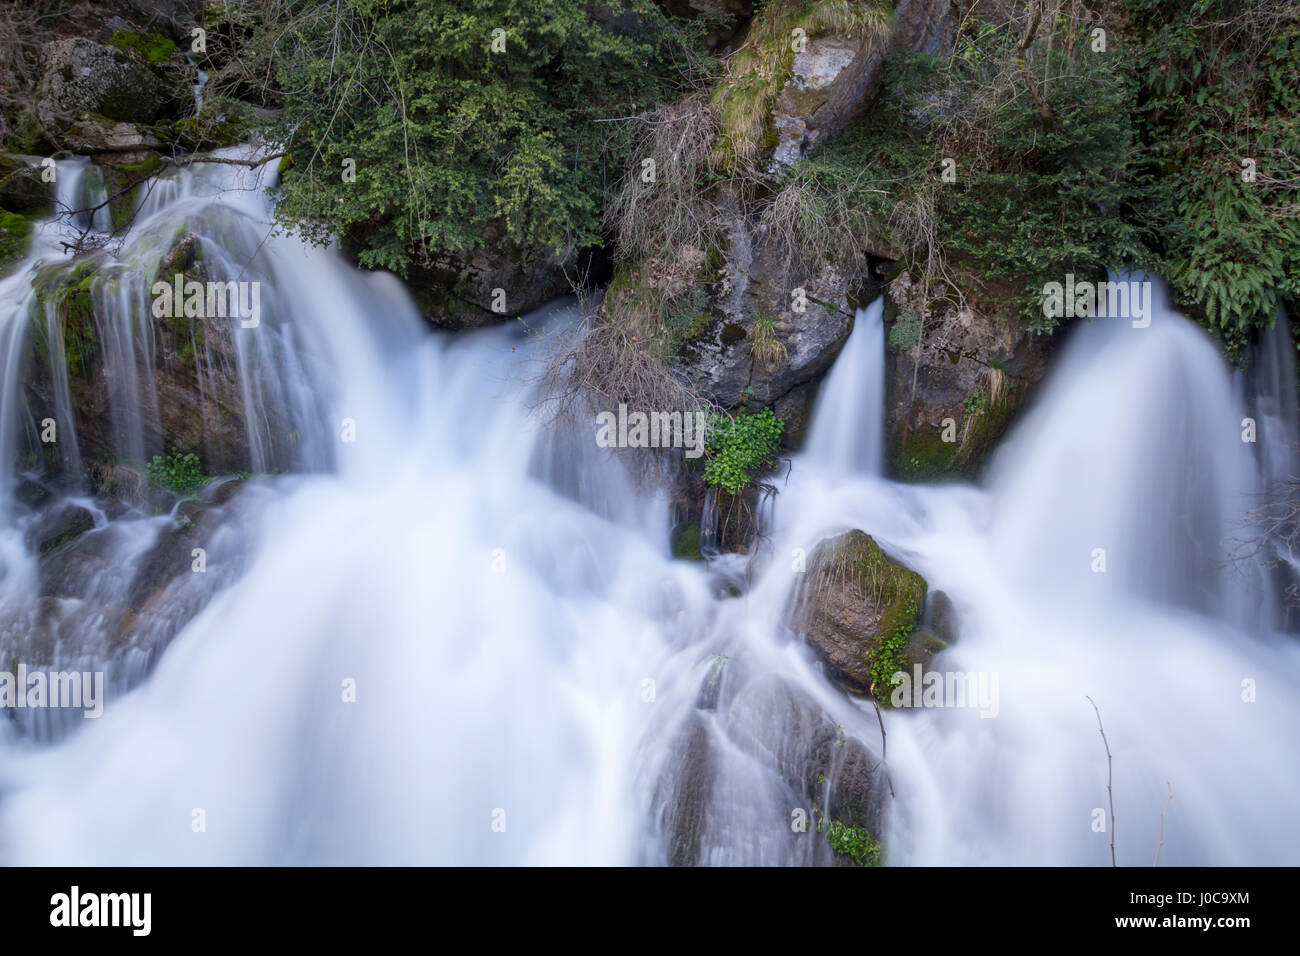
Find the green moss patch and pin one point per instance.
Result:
(151, 47)
(15, 235)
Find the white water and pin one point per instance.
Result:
(500, 596)
(847, 432)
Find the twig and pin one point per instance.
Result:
(1110, 794)
(228, 161)
(888, 779)
(1156, 861)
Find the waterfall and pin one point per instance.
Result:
(453, 633)
(846, 433)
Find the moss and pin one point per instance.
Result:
(121, 182)
(152, 47)
(923, 455)
(15, 235)
(685, 542)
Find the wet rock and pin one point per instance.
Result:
(31, 492)
(59, 526)
(198, 398)
(940, 617)
(859, 609)
(684, 793)
(785, 729)
(953, 392)
(21, 189)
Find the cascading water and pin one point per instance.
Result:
(846, 432)
(455, 635)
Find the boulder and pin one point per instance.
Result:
(859, 610)
(830, 79)
(59, 526)
(782, 727)
(94, 98)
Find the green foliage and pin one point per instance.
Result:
(854, 842)
(178, 473)
(906, 330)
(740, 446)
(1218, 87)
(976, 403)
(454, 143)
(1069, 160)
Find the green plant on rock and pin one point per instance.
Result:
(854, 842)
(906, 330)
(890, 655)
(738, 447)
(976, 403)
(177, 472)
(153, 47)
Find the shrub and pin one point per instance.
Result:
(451, 139)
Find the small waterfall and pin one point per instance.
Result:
(1140, 467)
(846, 434)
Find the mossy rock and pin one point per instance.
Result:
(685, 542)
(860, 609)
(15, 238)
(923, 455)
(151, 47)
(221, 122)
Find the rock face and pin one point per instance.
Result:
(859, 610)
(953, 391)
(807, 317)
(830, 79)
(184, 394)
(461, 292)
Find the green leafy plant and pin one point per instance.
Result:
(740, 446)
(977, 403)
(854, 842)
(906, 330)
(890, 655)
(178, 472)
